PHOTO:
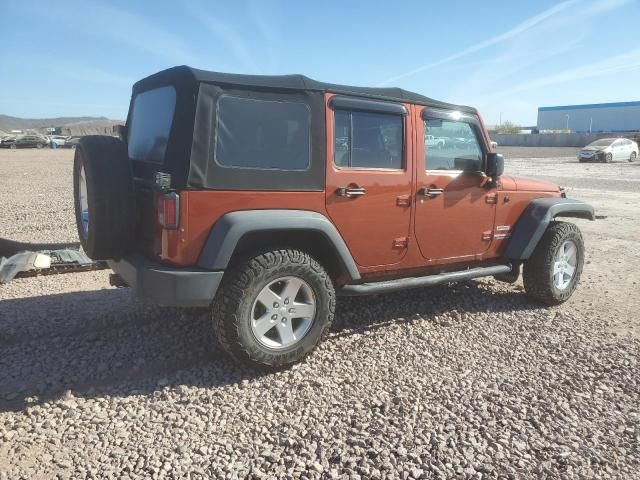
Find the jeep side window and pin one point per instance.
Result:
(451, 145)
(368, 140)
(262, 134)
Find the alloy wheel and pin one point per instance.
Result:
(565, 265)
(84, 202)
(283, 312)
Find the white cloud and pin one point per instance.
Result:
(526, 25)
(126, 28)
(623, 63)
(230, 37)
(604, 6)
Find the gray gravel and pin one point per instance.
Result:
(465, 381)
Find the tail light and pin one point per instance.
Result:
(169, 210)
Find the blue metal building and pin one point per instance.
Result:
(598, 117)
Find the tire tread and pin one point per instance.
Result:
(537, 270)
(230, 297)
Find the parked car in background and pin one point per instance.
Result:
(59, 140)
(494, 145)
(71, 142)
(431, 141)
(609, 150)
(25, 141)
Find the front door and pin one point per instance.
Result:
(369, 170)
(455, 210)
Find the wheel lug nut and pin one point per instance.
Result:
(284, 319)
(286, 301)
(276, 305)
(274, 316)
(291, 310)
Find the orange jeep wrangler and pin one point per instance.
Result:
(265, 197)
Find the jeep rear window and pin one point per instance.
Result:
(151, 121)
(262, 134)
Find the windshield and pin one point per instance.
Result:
(151, 121)
(605, 142)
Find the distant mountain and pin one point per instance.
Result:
(67, 125)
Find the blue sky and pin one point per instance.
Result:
(505, 57)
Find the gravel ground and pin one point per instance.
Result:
(538, 152)
(466, 381)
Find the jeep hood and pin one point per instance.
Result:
(533, 185)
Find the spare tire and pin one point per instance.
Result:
(104, 197)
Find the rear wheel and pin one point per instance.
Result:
(273, 308)
(38, 145)
(632, 157)
(13, 146)
(552, 273)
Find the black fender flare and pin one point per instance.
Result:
(536, 218)
(231, 227)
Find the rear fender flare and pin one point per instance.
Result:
(535, 220)
(231, 227)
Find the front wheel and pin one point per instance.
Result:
(608, 158)
(273, 308)
(632, 157)
(552, 272)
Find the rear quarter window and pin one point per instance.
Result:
(262, 134)
(151, 120)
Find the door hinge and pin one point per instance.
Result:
(491, 198)
(488, 235)
(403, 200)
(402, 242)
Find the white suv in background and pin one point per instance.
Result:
(59, 140)
(609, 150)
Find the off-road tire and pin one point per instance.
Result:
(632, 157)
(110, 194)
(608, 158)
(231, 309)
(538, 270)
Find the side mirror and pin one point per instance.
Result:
(495, 165)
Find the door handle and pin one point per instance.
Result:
(431, 192)
(351, 192)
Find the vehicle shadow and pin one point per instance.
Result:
(105, 342)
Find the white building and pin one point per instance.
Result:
(599, 117)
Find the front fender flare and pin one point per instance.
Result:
(535, 220)
(231, 227)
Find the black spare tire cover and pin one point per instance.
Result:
(104, 197)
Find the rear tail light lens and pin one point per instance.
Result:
(169, 210)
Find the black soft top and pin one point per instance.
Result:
(187, 76)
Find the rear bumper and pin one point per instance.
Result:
(163, 285)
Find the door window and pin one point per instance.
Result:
(451, 145)
(368, 140)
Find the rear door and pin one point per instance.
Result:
(628, 148)
(369, 177)
(455, 209)
(619, 150)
